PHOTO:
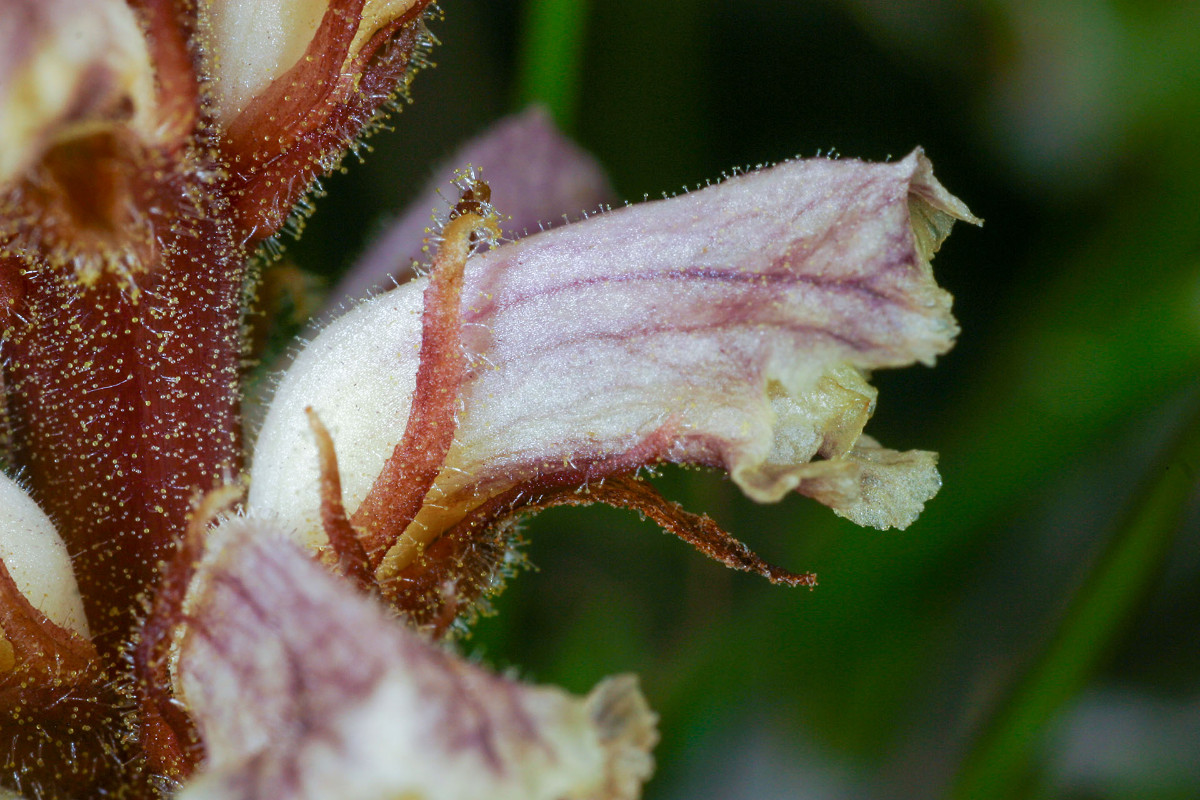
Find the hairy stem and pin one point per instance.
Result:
(124, 405)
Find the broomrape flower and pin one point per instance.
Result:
(160, 633)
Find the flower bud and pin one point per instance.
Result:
(36, 559)
(251, 45)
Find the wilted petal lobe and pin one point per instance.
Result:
(730, 327)
(302, 688)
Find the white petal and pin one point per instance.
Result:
(37, 559)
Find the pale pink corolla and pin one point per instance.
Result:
(732, 327)
(304, 689)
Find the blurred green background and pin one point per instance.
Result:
(1037, 632)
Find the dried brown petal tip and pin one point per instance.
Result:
(303, 688)
(629, 730)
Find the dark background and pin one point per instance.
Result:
(1072, 129)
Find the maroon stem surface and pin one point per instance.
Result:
(124, 406)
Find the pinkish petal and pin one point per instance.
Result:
(537, 175)
(302, 688)
(732, 327)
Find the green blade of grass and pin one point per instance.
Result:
(1100, 611)
(551, 56)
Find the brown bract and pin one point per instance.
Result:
(300, 124)
(51, 680)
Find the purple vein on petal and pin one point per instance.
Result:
(302, 687)
(537, 175)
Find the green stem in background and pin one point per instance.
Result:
(1104, 604)
(550, 57)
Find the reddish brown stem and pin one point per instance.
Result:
(124, 405)
(122, 256)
